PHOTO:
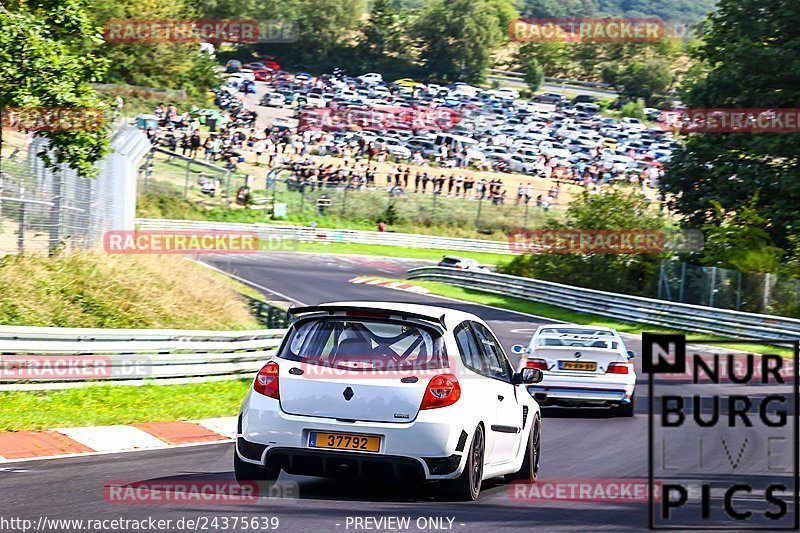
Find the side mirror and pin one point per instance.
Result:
(528, 375)
(518, 349)
(631, 354)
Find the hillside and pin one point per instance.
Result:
(684, 11)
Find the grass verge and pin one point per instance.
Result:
(568, 315)
(397, 251)
(97, 290)
(102, 405)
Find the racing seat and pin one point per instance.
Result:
(355, 350)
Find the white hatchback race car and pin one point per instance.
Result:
(390, 391)
(582, 365)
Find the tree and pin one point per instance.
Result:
(613, 209)
(457, 38)
(640, 79)
(633, 110)
(168, 65)
(534, 75)
(382, 33)
(740, 242)
(43, 64)
(557, 8)
(324, 25)
(751, 59)
(554, 58)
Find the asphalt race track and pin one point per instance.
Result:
(586, 444)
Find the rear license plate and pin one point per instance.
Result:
(590, 366)
(343, 441)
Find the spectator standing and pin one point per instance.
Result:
(194, 144)
(258, 147)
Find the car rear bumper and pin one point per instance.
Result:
(430, 447)
(608, 389)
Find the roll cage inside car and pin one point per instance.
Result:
(347, 341)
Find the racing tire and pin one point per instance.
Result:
(247, 473)
(626, 410)
(467, 486)
(529, 470)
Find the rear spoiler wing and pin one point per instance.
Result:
(366, 312)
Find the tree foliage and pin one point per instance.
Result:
(684, 11)
(739, 241)
(751, 59)
(168, 65)
(44, 63)
(640, 79)
(647, 68)
(534, 75)
(457, 37)
(613, 209)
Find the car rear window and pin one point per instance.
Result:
(579, 342)
(365, 344)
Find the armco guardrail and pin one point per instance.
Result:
(35, 358)
(645, 311)
(275, 233)
(521, 76)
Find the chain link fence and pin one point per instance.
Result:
(729, 289)
(358, 206)
(43, 208)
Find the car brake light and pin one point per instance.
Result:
(266, 382)
(617, 368)
(539, 364)
(367, 314)
(443, 390)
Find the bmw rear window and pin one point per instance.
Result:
(365, 344)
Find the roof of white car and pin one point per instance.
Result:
(583, 327)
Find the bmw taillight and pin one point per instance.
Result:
(443, 390)
(539, 364)
(617, 368)
(266, 382)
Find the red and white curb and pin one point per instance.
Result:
(399, 285)
(22, 445)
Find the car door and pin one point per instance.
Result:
(482, 387)
(507, 424)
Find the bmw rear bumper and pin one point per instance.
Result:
(577, 390)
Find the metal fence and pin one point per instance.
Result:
(729, 289)
(35, 358)
(647, 311)
(44, 208)
(163, 171)
(277, 234)
(411, 206)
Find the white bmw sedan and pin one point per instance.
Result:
(390, 391)
(582, 366)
